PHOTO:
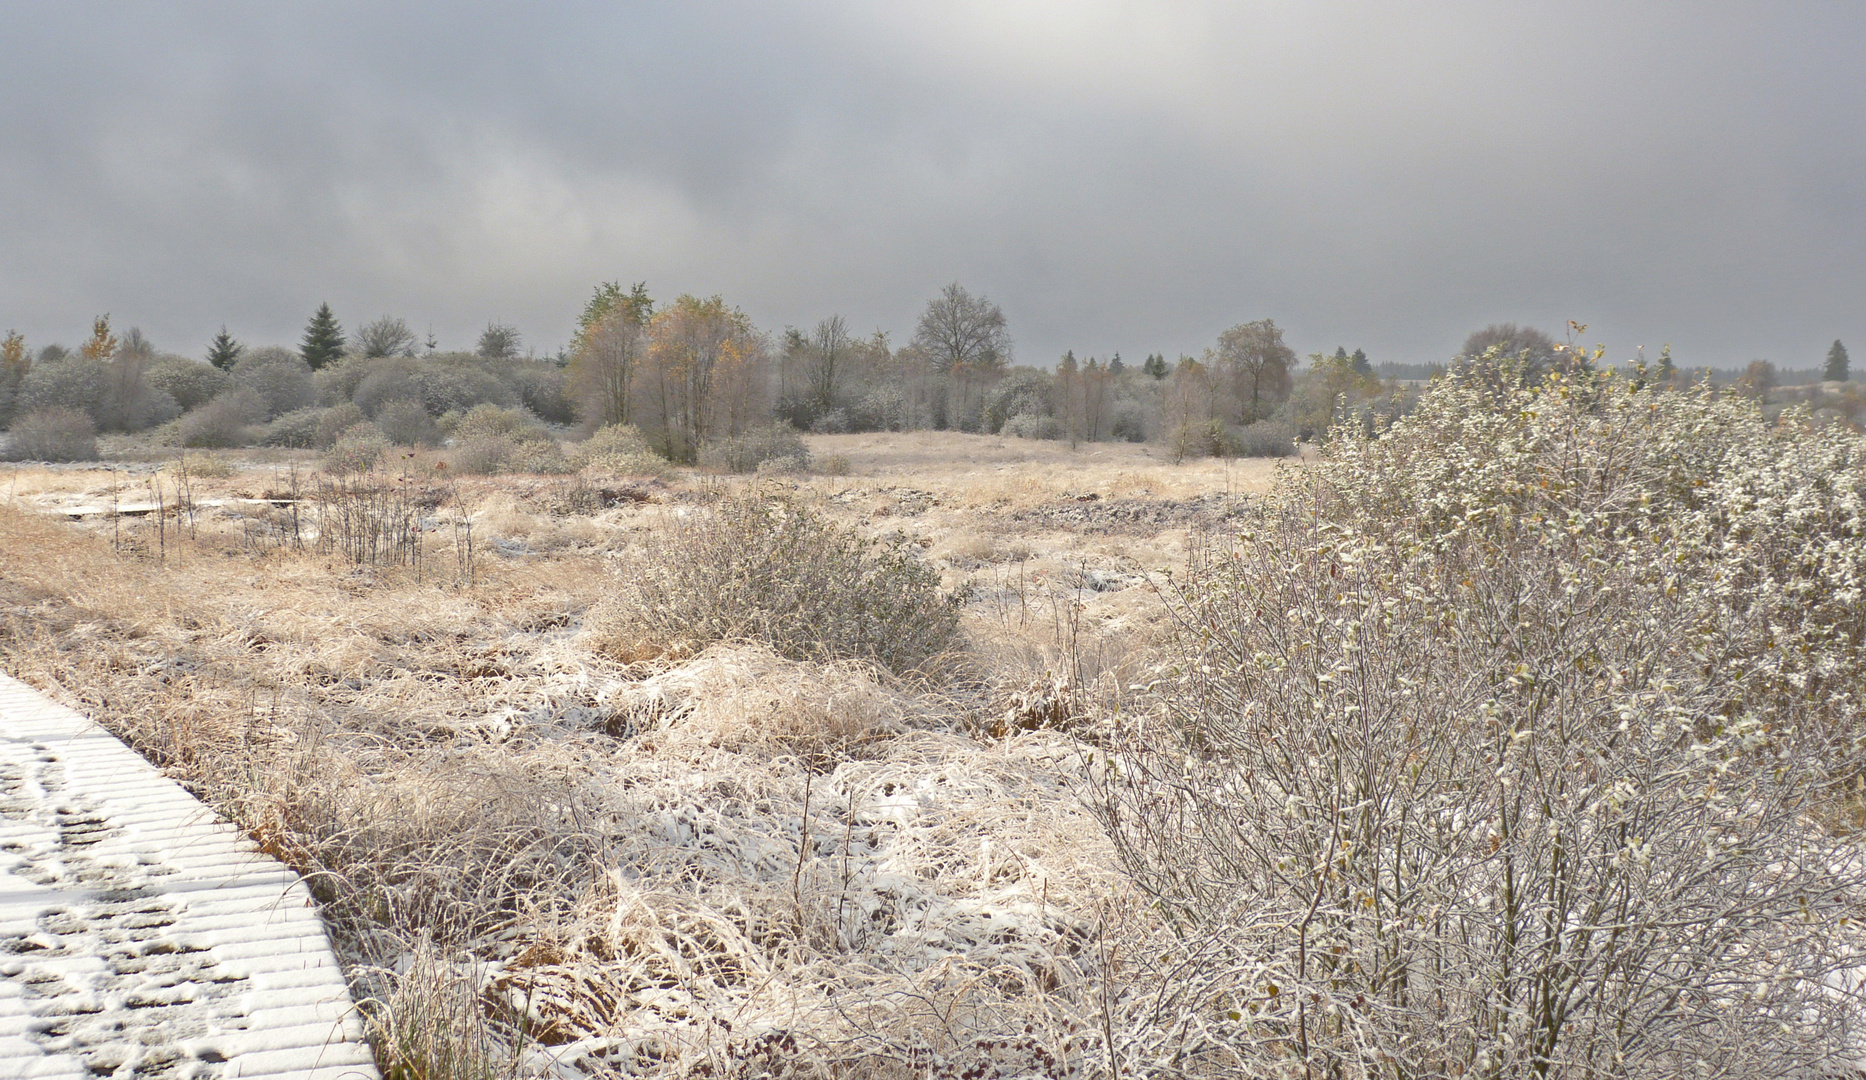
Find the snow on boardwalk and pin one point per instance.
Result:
(141, 935)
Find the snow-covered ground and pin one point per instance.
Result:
(142, 935)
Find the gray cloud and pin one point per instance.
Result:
(1119, 176)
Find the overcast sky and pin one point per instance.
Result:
(1118, 177)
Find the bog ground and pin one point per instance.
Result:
(535, 850)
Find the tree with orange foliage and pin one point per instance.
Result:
(103, 344)
(706, 376)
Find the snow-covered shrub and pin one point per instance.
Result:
(1030, 425)
(775, 571)
(746, 452)
(1022, 392)
(52, 433)
(359, 449)
(226, 421)
(1498, 745)
(192, 383)
(1265, 438)
(620, 449)
(280, 377)
(406, 423)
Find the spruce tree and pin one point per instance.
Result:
(323, 340)
(223, 350)
(1155, 365)
(1362, 366)
(1836, 363)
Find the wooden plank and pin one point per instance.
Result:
(140, 925)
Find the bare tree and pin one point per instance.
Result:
(827, 353)
(603, 368)
(1253, 360)
(961, 332)
(387, 336)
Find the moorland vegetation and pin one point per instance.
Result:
(1515, 730)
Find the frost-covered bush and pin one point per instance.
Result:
(280, 377)
(776, 571)
(1265, 438)
(192, 383)
(488, 420)
(359, 449)
(1131, 421)
(440, 386)
(51, 433)
(485, 455)
(1022, 392)
(621, 449)
(1500, 744)
(335, 421)
(1032, 426)
(489, 439)
(72, 382)
(227, 421)
(297, 429)
(884, 408)
(745, 453)
(540, 387)
(406, 423)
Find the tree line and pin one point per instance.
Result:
(696, 371)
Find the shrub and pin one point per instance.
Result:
(540, 388)
(882, 409)
(440, 386)
(493, 421)
(280, 377)
(619, 448)
(1265, 438)
(1032, 426)
(391, 379)
(52, 433)
(192, 383)
(1022, 392)
(485, 455)
(71, 382)
(1131, 421)
(833, 422)
(407, 423)
(775, 571)
(226, 421)
(335, 421)
(336, 383)
(359, 449)
(1497, 745)
(297, 429)
(788, 465)
(745, 453)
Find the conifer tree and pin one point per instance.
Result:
(223, 350)
(323, 340)
(1836, 363)
(1155, 365)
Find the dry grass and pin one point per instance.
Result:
(529, 852)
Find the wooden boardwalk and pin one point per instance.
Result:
(141, 935)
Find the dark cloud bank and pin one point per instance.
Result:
(1130, 177)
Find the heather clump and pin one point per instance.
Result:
(775, 571)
